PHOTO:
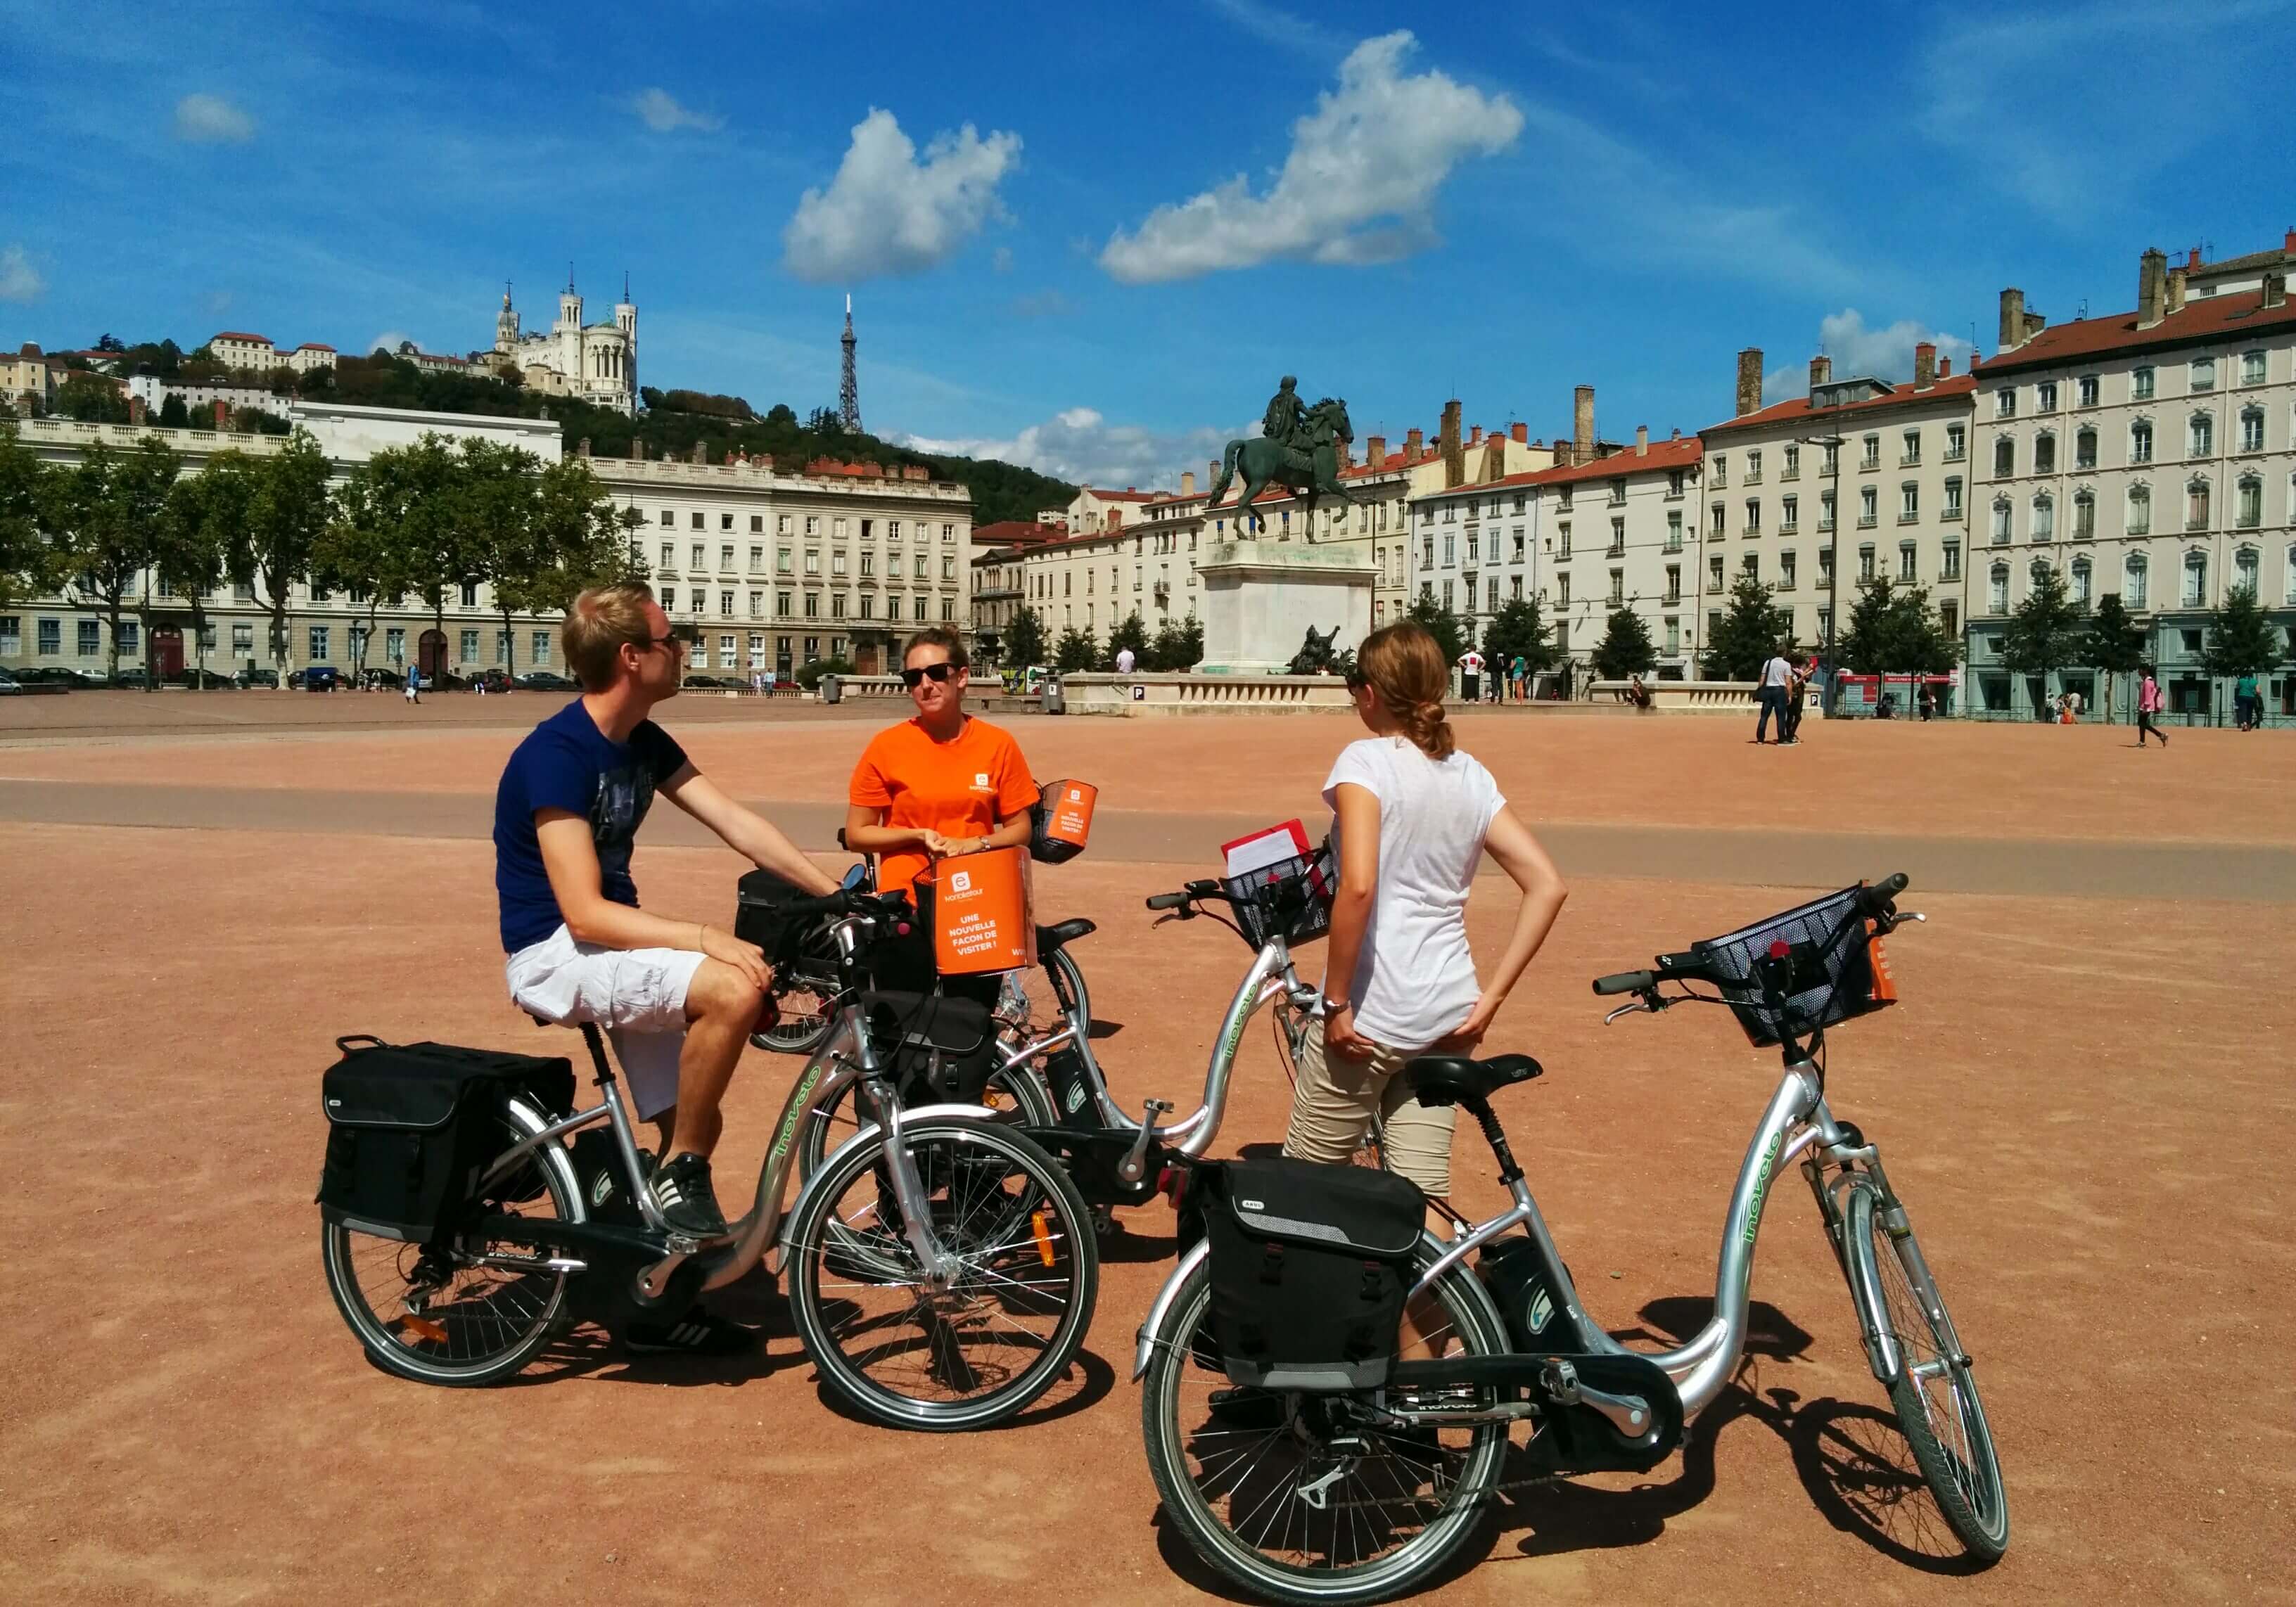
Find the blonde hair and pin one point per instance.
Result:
(599, 624)
(1404, 667)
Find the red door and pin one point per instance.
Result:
(430, 654)
(167, 652)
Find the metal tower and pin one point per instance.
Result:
(849, 389)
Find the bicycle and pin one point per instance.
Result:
(1334, 1497)
(942, 1275)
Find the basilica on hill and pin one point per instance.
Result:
(596, 362)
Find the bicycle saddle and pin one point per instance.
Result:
(1444, 1080)
(1051, 937)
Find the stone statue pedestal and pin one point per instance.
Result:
(1262, 596)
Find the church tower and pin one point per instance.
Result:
(570, 305)
(625, 319)
(506, 324)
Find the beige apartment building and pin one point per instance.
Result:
(1618, 531)
(2146, 454)
(1855, 480)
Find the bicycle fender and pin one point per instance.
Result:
(869, 1134)
(1144, 1351)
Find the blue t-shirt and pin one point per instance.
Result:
(567, 763)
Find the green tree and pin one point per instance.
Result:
(409, 494)
(30, 562)
(1752, 628)
(2242, 639)
(1077, 650)
(110, 506)
(2116, 643)
(173, 414)
(1893, 631)
(91, 398)
(1625, 649)
(495, 509)
(1024, 639)
(1517, 630)
(1441, 624)
(287, 512)
(361, 554)
(1178, 646)
(2046, 630)
(1128, 633)
(195, 538)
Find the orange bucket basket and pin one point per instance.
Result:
(982, 920)
(1061, 822)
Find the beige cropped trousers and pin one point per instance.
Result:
(1336, 1098)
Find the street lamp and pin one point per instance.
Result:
(1833, 445)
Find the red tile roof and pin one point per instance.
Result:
(235, 335)
(1682, 452)
(1126, 495)
(315, 346)
(1017, 533)
(1798, 410)
(2223, 317)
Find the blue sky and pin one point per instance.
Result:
(1093, 237)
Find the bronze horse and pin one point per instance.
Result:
(1266, 461)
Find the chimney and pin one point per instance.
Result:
(2151, 290)
(1676, 433)
(2176, 289)
(1582, 423)
(2193, 257)
(1187, 482)
(1413, 442)
(2276, 289)
(1821, 371)
(1519, 434)
(1749, 381)
(135, 410)
(1561, 453)
(1474, 435)
(1495, 446)
(1375, 451)
(1447, 441)
(1642, 440)
(2012, 319)
(1945, 366)
(1925, 369)
(222, 416)
(2287, 244)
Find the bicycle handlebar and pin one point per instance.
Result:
(1168, 901)
(845, 901)
(1626, 981)
(1878, 898)
(1877, 901)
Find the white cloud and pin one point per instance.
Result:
(1080, 446)
(1885, 354)
(662, 113)
(885, 212)
(1001, 260)
(209, 119)
(387, 340)
(1357, 186)
(20, 281)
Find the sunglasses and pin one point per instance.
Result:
(1356, 680)
(914, 678)
(674, 643)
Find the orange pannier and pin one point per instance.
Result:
(982, 918)
(1061, 822)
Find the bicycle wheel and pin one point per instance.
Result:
(1040, 1000)
(1934, 1393)
(437, 1314)
(1300, 1497)
(806, 991)
(1004, 1324)
(1017, 1095)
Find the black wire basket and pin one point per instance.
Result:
(1290, 899)
(1831, 976)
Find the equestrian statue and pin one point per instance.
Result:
(1298, 447)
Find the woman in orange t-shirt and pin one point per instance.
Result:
(939, 786)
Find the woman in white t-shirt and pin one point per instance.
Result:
(1413, 818)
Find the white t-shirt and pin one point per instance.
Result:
(1776, 672)
(1124, 661)
(1471, 661)
(1415, 979)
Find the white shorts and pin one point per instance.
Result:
(637, 995)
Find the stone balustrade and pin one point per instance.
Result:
(1145, 693)
(1692, 697)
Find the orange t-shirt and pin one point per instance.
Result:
(959, 788)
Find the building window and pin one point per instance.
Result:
(1951, 569)
(467, 647)
(2251, 368)
(2005, 402)
(2288, 575)
(469, 594)
(780, 605)
(1673, 583)
(2251, 429)
(1617, 587)
(724, 521)
(2132, 581)
(1792, 470)
(2139, 521)
(1996, 590)
(2082, 582)
(1872, 458)
(2044, 397)
(539, 654)
(1950, 617)
(757, 605)
(669, 599)
(1561, 530)
(1865, 563)
(2085, 449)
(1789, 514)
(2140, 385)
(394, 643)
(2243, 570)
(1720, 472)
(2205, 374)
(1785, 571)
(2005, 457)
(1714, 520)
(502, 646)
(2045, 454)
(1869, 506)
(2084, 515)
(1909, 502)
(2045, 517)
(1617, 539)
(2087, 390)
(1912, 453)
(242, 639)
(1907, 559)
(2140, 441)
(1825, 510)
(2000, 520)
(1449, 586)
(2196, 505)
(2196, 580)
(697, 522)
(1956, 443)
(1754, 516)
(1953, 498)
(2201, 434)
(2248, 503)
(667, 518)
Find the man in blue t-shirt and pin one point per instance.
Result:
(678, 997)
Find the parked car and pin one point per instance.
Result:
(707, 683)
(377, 676)
(46, 675)
(544, 680)
(87, 678)
(445, 680)
(216, 680)
(316, 677)
(130, 680)
(8, 687)
(257, 677)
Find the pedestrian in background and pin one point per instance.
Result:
(414, 683)
(2248, 708)
(2148, 704)
(1771, 688)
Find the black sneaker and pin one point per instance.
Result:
(682, 1194)
(699, 1332)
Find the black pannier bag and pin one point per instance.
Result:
(758, 917)
(410, 1127)
(1310, 1266)
(941, 1048)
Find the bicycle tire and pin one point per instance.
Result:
(1019, 1095)
(1182, 1354)
(457, 1345)
(823, 1266)
(1958, 1464)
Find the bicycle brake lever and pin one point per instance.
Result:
(1623, 1010)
